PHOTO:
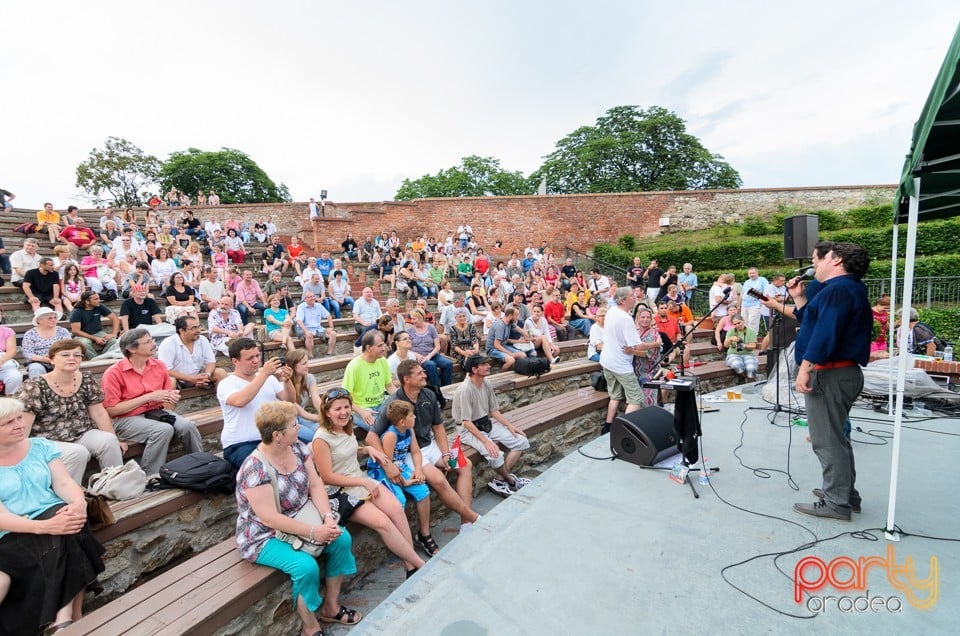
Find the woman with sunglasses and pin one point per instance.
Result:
(348, 486)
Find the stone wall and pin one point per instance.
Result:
(578, 221)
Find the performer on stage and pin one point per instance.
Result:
(834, 341)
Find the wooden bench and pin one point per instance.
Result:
(216, 586)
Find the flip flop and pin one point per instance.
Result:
(344, 616)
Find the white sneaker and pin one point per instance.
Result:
(519, 482)
(500, 487)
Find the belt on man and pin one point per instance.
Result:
(834, 365)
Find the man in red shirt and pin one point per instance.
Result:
(555, 313)
(669, 325)
(78, 236)
(139, 387)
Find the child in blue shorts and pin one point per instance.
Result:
(400, 443)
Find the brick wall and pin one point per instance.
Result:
(578, 221)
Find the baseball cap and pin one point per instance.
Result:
(474, 361)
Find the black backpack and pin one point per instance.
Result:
(531, 366)
(202, 472)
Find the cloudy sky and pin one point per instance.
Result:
(353, 97)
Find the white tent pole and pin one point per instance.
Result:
(910, 257)
(892, 314)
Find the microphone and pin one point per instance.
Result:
(807, 274)
(802, 269)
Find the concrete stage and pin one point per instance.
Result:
(603, 547)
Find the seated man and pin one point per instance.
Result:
(224, 324)
(135, 389)
(189, 357)
(48, 220)
(349, 247)
(42, 286)
(438, 461)
(367, 379)
(366, 310)
(252, 384)
(86, 324)
(78, 236)
(309, 324)
(499, 345)
(483, 426)
(922, 340)
(741, 341)
(23, 260)
(140, 311)
(250, 298)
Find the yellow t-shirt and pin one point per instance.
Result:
(48, 217)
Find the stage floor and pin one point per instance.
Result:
(597, 547)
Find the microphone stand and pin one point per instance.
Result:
(686, 417)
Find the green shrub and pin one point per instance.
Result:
(627, 242)
(828, 220)
(869, 216)
(945, 323)
(755, 226)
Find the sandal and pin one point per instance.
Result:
(53, 629)
(344, 616)
(428, 544)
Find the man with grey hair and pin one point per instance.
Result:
(23, 260)
(366, 310)
(393, 310)
(620, 343)
(137, 391)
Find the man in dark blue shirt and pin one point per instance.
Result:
(834, 341)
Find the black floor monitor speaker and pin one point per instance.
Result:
(799, 236)
(644, 437)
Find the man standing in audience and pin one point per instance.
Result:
(687, 281)
(309, 322)
(139, 310)
(42, 286)
(653, 274)
(635, 274)
(367, 379)
(135, 390)
(86, 324)
(621, 343)
(599, 285)
(189, 357)
(477, 411)
(366, 310)
(750, 307)
(438, 461)
(23, 260)
(252, 383)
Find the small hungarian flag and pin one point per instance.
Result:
(457, 453)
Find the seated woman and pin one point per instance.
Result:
(180, 297)
(302, 390)
(335, 452)
(10, 374)
(407, 281)
(259, 519)
(37, 341)
(233, 246)
(279, 322)
(464, 340)
(538, 332)
(48, 556)
(65, 406)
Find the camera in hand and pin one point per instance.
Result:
(739, 345)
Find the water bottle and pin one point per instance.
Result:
(948, 353)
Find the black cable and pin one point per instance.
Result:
(580, 450)
(765, 472)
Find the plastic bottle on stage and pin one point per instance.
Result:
(704, 474)
(948, 353)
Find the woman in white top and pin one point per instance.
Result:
(539, 333)
(162, 268)
(595, 344)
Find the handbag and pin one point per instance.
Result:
(308, 515)
(98, 512)
(119, 482)
(598, 381)
(160, 415)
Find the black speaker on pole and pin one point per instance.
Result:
(644, 437)
(799, 236)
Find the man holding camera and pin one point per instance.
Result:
(741, 342)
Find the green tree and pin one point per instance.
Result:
(631, 150)
(474, 177)
(234, 176)
(117, 174)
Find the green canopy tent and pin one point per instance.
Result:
(929, 188)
